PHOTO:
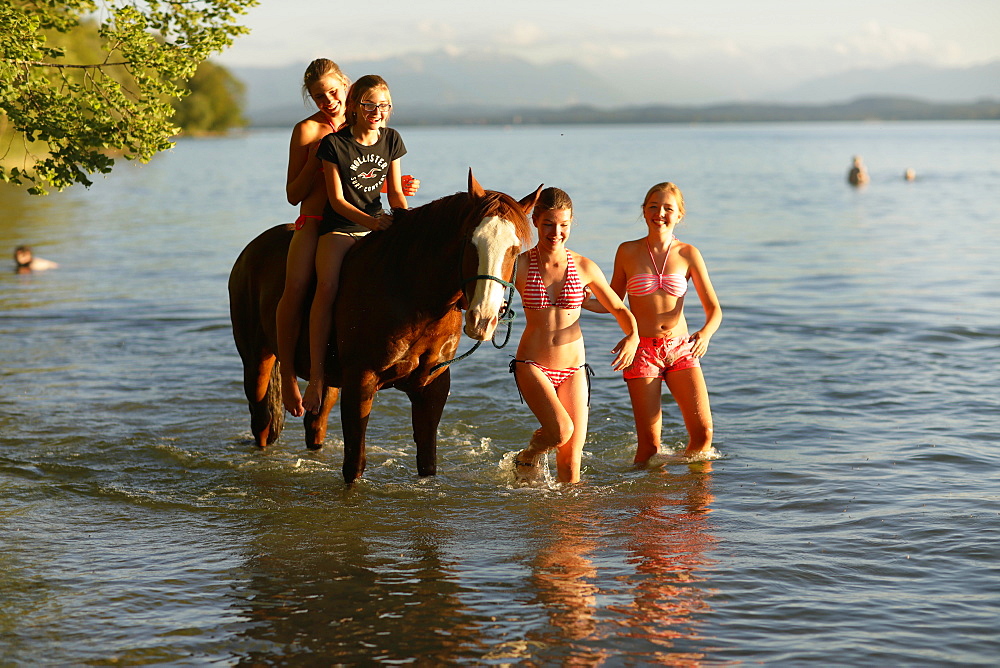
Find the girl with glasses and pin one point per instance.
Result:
(357, 160)
(327, 86)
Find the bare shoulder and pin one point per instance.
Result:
(580, 260)
(633, 246)
(630, 250)
(312, 129)
(521, 269)
(692, 256)
(587, 268)
(686, 250)
(630, 253)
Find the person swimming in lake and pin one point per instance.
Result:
(26, 261)
(550, 370)
(357, 160)
(858, 174)
(327, 86)
(654, 272)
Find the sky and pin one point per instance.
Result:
(814, 37)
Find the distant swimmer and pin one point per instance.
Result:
(858, 175)
(26, 261)
(909, 174)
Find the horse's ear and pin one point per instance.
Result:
(528, 202)
(475, 189)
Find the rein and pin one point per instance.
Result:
(506, 315)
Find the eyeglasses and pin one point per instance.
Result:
(372, 106)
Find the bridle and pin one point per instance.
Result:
(506, 314)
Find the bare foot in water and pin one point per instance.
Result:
(290, 395)
(313, 401)
(527, 467)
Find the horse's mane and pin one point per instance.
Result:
(503, 205)
(441, 220)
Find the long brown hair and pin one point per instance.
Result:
(362, 87)
(552, 198)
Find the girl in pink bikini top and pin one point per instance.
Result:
(640, 285)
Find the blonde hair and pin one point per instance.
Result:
(550, 199)
(362, 87)
(666, 187)
(318, 69)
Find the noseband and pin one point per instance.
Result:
(506, 314)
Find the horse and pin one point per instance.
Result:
(397, 318)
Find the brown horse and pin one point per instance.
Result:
(396, 319)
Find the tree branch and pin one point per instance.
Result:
(36, 63)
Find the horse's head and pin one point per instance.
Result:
(500, 228)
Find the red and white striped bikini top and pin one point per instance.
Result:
(537, 297)
(646, 284)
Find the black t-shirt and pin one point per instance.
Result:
(363, 170)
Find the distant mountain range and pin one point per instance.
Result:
(443, 87)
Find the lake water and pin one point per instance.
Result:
(853, 518)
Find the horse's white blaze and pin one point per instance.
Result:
(493, 238)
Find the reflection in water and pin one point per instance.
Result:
(668, 545)
(565, 578)
(328, 585)
(586, 578)
(631, 586)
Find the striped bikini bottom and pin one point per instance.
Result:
(556, 376)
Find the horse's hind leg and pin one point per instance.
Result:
(316, 424)
(427, 405)
(260, 383)
(356, 398)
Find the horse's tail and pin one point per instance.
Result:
(274, 406)
(248, 291)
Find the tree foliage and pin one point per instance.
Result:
(213, 103)
(69, 107)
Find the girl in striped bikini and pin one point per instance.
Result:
(654, 271)
(550, 369)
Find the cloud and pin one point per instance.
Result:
(887, 45)
(521, 34)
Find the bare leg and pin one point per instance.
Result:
(569, 455)
(556, 423)
(648, 413)
(298, 274)
(316, 423)
(330, 254)
(691, 394)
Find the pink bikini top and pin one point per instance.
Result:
(640, 285)
(537, 297)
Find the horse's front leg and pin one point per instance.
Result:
(427, 405)
(315, 425)
(356, 398)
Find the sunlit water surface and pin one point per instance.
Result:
(853, 518)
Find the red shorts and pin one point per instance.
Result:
(656, 357)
